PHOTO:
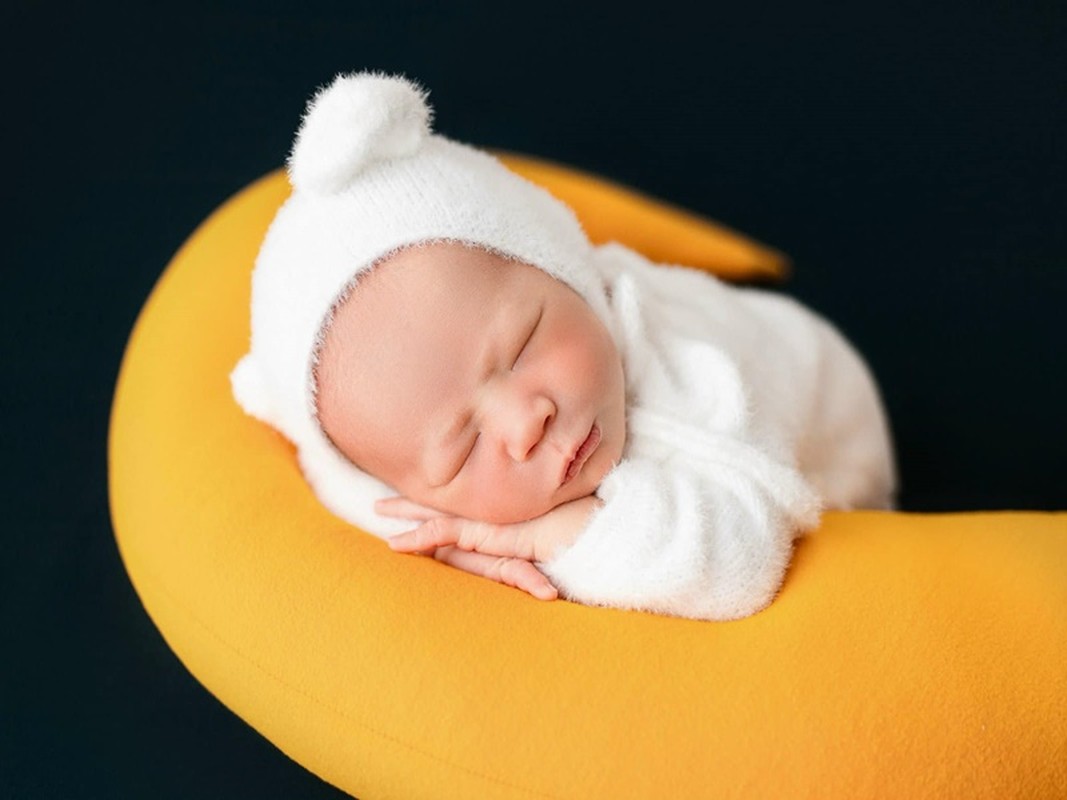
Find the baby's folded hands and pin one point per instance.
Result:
(506, 553)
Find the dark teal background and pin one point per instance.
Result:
(910, 157)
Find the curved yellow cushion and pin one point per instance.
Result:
(908, 656)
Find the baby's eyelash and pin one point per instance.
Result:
(467, 457)
(522, 349)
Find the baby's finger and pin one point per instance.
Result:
(510, 541)
(513, 572)
(408, 542)
(438, 532)
(402, 508)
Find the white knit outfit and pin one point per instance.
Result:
(745, 412)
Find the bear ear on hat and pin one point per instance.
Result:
(358, 119)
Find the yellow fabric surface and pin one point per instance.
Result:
(908, 656)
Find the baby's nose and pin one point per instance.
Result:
(524, 422)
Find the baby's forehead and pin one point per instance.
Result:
(444, 277)
(437, 262)
(428, 295)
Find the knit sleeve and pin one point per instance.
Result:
(708, 540)
(699, 517)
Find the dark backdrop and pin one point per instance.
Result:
(910, 159)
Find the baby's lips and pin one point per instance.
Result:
(581, 455)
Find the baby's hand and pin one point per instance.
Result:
(503, 553)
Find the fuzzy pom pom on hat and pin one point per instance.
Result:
(370, 177)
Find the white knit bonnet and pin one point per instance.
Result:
(369, 177)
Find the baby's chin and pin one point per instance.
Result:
(509, 513)
(506, 513)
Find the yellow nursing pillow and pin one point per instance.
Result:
(908, 656)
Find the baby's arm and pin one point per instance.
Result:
(708, 540)
(685, 542)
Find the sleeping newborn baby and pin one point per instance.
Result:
(462, 372)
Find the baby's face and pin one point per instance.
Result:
(472, 384)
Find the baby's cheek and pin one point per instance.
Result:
(579, 366)
(504, 496)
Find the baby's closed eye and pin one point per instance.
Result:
(529, 337)
(467, 457)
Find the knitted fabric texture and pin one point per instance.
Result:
(370, 177)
